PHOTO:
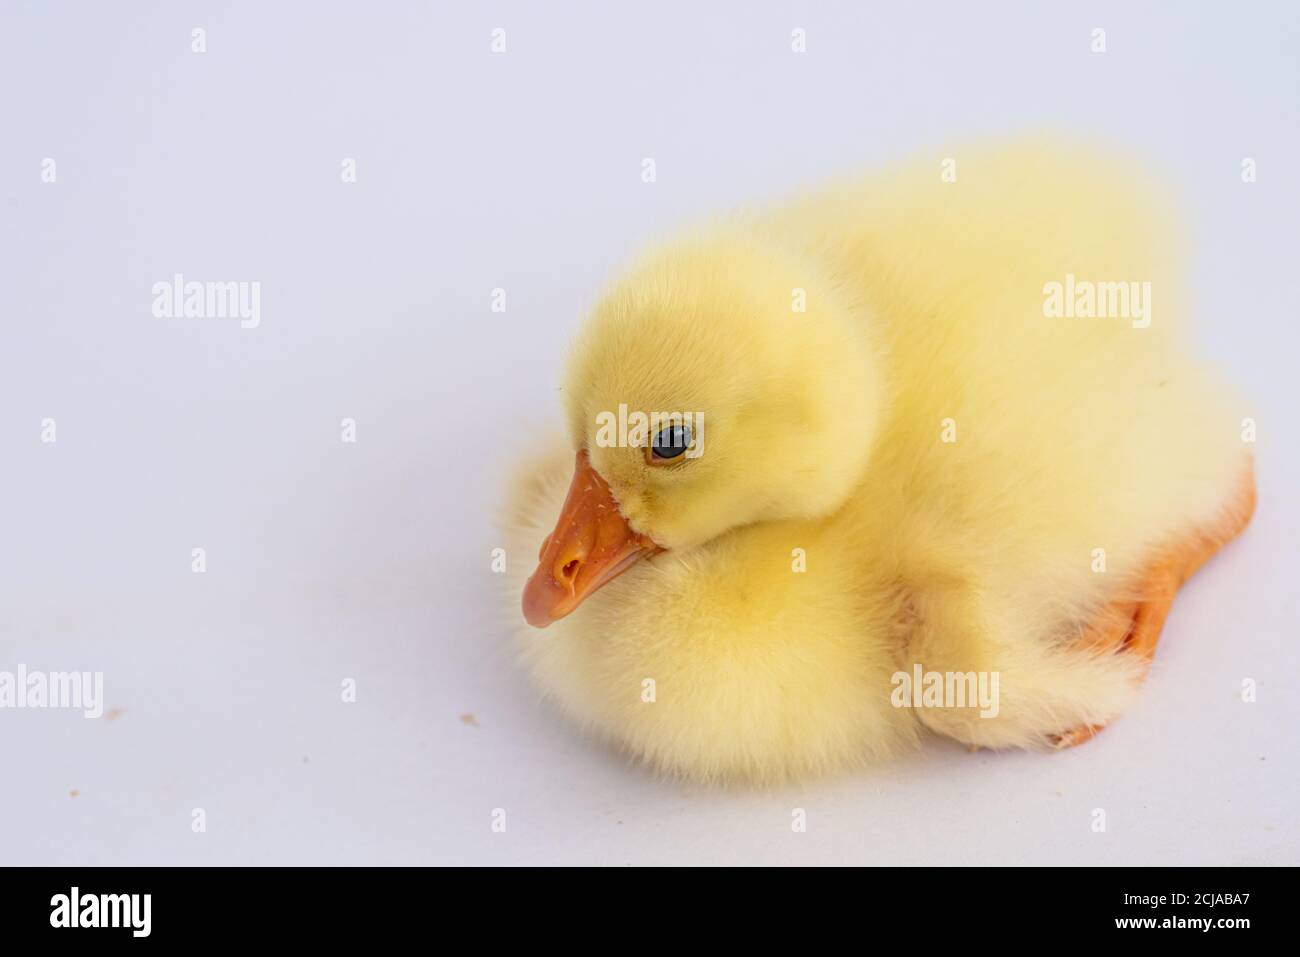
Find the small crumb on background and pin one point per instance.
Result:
(469, 719)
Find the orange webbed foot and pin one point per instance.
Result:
(1133, 627)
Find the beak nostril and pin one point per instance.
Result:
(590, 545)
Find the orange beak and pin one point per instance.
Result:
(591, 546)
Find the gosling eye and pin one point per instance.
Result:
(671, 442)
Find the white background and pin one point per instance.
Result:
(371, 561)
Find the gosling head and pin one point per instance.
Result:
(718, 384)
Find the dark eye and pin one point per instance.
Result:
(671, 442)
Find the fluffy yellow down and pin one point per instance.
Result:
(946, 458)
